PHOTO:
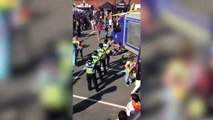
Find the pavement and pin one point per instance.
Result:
(114, 94)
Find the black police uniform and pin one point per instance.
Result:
(102, 54)
(91, 76)
(96, 60)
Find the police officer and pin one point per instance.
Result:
(106, 48)
(102, 55)
(96, 60)
(54, 94)
(91, 75)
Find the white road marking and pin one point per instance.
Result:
(91, 33)
(101, 102)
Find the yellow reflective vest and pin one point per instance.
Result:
(96, 60)
(101, 53)
(106, 48)
(90, 68)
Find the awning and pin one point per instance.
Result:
(107, 5)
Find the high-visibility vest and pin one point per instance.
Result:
(90, 68)
(96, 59)
(54, 97)
(136, 106)
(106, 46)
(101, 53)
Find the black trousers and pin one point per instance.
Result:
(92, 78)
(81, 52)
(107, 59)
(98, 69)
(79, 32)
(103, 63)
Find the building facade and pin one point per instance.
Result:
(97, 3)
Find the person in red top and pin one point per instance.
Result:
(99, 28)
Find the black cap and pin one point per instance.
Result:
(105, 40)
(95, 52)
(101, 45)
(90, 59)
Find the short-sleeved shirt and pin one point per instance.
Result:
(110, 21)
(129, 63)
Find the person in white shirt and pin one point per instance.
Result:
(93, 24)
(134, 105)
(137, 86)
(138, 77)
(110, 24)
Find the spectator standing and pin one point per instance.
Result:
(78, 46)
(110, 24)
(74, 26)
(99, 28)
(78, 25)
(93, 24)
(138, 78)
(106, 31)
(134, 105)
(130, 64)
(122, 115)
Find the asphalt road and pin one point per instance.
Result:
(113, 96)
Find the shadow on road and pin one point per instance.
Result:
(83, 35)
(83, 105)
(113, 75)
(85, 46)
(75, 78)
(83, 62)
